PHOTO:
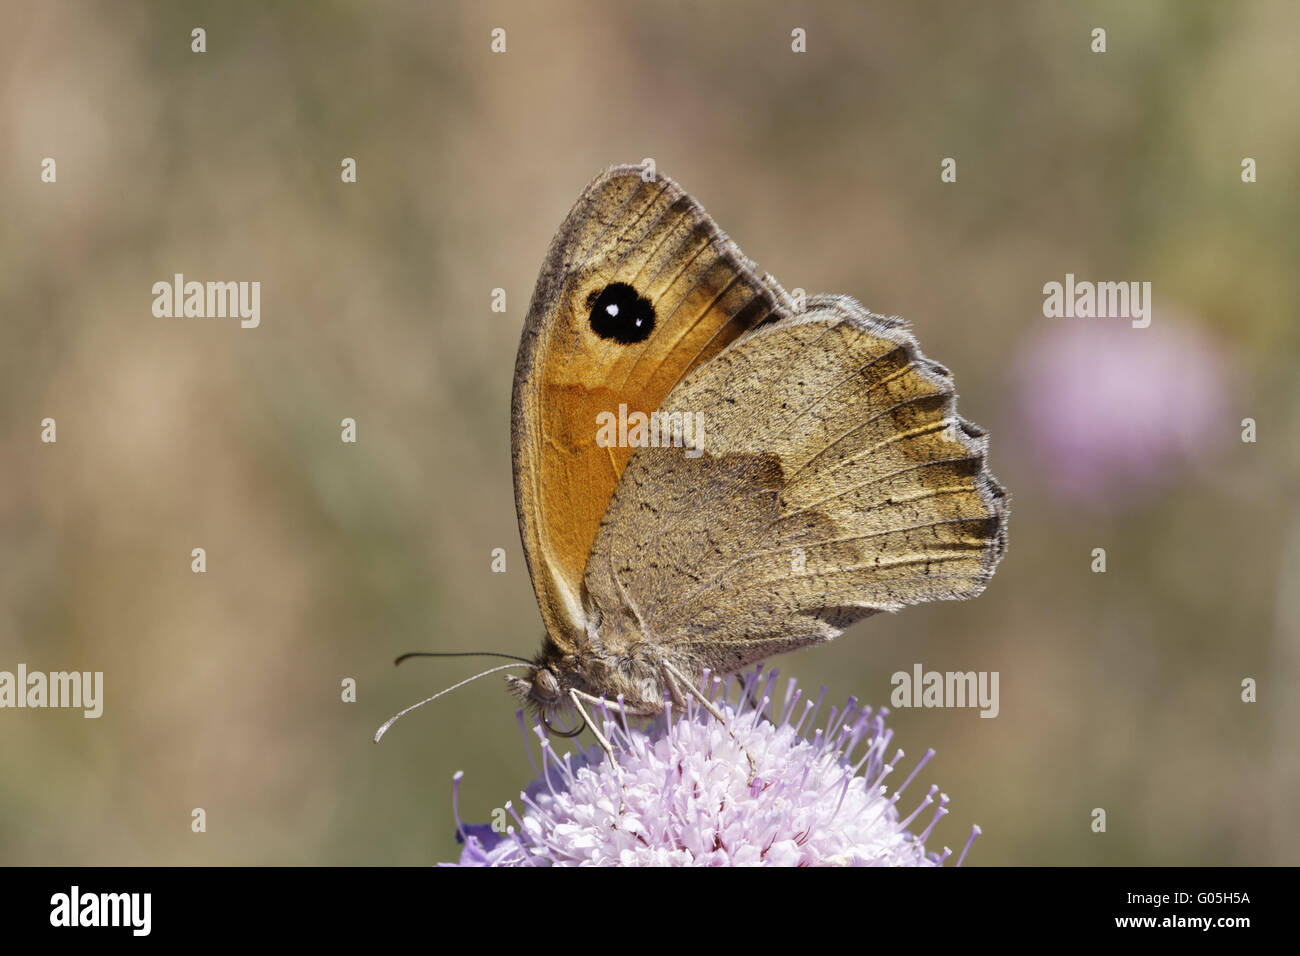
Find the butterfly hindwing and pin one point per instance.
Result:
(836, 481)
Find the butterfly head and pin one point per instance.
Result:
(546, 689)
(540, 687)
(545, 685)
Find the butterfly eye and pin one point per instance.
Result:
(545, 686)
(618, 313)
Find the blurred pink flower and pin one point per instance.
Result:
(1113, 413)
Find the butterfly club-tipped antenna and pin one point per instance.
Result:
(517, 661)
(410, 654)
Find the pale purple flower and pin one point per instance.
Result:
(1112, 414)
(819, 796)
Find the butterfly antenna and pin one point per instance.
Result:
(392, 720)
(512, 657)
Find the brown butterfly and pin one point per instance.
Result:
(828, 476)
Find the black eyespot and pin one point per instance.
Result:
(618, 313)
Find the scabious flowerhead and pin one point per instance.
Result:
(818, 794)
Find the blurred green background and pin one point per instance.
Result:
(325, 560)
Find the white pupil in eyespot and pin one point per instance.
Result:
(612, 309)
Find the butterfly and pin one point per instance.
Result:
(827, 476)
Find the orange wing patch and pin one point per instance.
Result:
(656, 241)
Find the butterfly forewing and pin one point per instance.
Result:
(638, 289)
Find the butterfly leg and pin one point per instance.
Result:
(678, 681)
(577, 697)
